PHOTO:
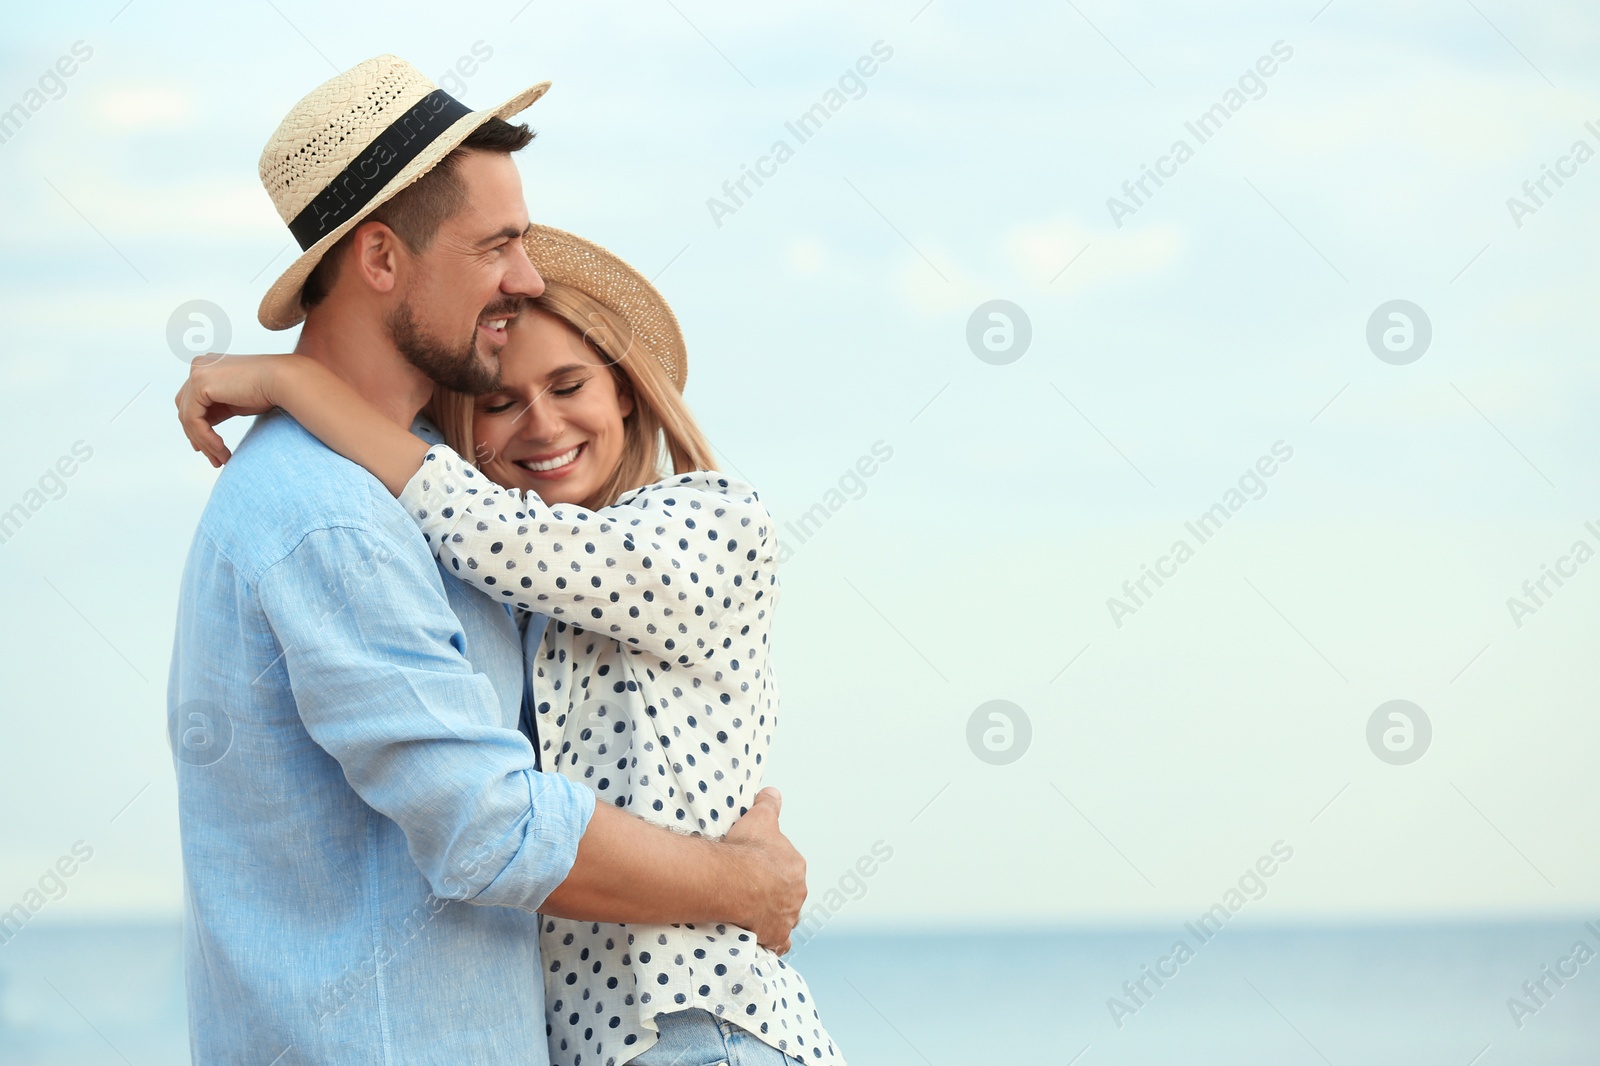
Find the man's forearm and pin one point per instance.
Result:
(628, 870)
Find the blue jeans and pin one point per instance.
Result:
(698, 1038)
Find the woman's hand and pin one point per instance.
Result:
(231, 385)
(324, 404)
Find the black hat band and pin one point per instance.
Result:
(353, 188)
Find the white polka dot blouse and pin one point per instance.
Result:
(653, 687)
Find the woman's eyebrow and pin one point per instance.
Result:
(569, 368)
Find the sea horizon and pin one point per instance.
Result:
(90, 992)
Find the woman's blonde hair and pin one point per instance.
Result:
(660, 429)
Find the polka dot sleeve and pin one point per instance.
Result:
(664, 569)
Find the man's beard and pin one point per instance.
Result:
(461, 368)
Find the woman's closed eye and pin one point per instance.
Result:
(497, 407)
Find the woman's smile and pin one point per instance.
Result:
(552, 466)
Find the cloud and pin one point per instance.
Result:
(208, 208)
(806, 256)
(1445, 115)
(1037, 253)
(1041, 253)
(932, 291)
(146, 107)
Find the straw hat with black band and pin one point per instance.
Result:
(358, 139)
(350, 145)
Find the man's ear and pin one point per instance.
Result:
(376, 255)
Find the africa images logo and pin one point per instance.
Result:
(1202, 128)
(850, 85)
(51, 85)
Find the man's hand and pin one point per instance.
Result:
(628, 870)
(772, 870)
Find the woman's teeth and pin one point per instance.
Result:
(550, 464)
(496, 323)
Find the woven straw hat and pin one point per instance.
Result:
(350, 145)
(583, 265)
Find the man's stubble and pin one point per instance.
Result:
(461, 367)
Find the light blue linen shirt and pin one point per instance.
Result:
(365, 838)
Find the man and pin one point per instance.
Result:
(366, 837)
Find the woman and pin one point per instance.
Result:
(653, 676)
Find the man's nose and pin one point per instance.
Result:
(522, 278)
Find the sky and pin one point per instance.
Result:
(1212, 343)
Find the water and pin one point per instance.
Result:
(94, 994)
(1405, 995)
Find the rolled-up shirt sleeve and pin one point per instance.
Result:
(374, 658)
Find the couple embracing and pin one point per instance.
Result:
(498, 686)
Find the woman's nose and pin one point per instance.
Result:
(542, 421)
